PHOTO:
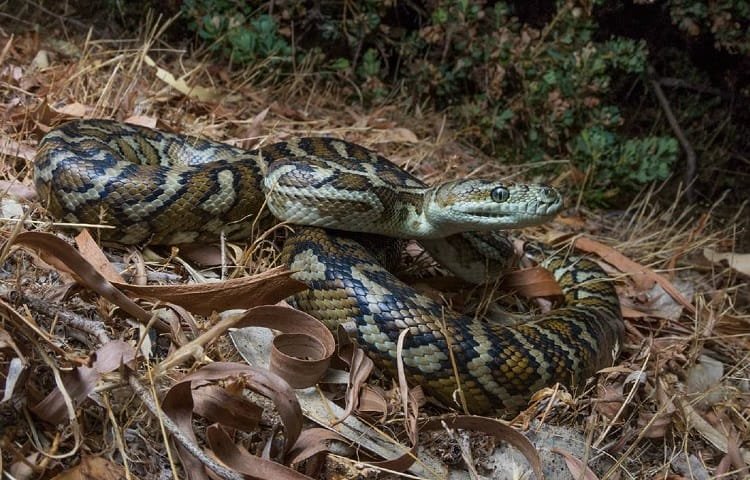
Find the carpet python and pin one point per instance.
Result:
(164, 188)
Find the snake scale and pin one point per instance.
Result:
(167, 188)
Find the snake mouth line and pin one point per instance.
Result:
(511, 216)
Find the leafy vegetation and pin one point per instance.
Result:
(236, 30)
(523, 86)
(727, 20)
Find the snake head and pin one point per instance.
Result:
(482, 205)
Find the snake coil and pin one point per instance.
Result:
(166, 188)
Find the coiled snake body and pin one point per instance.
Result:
(165, 188)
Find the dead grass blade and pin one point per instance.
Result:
(16, 366)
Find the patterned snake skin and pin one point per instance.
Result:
(165, 188)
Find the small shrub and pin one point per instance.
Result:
(237, 30)
(618, 165)
(518, 91)
(727, 21)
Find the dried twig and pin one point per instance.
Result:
(690, 156)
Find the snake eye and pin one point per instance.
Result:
(499, 194)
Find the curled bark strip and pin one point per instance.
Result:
(302, 353)
(248, 465)
(261, 381)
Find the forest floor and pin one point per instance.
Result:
(86, 387)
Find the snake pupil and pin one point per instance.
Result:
(499, 194)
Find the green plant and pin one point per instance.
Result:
(519, 91)
(727, 21)
(237, 30)
(617, 166)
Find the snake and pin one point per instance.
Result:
(156, 187)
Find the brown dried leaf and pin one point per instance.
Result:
(179, 405)
(142, 120)
(696, 422)
(373, 400)
(396, 135)
(577, 468)
(656, 425)
(78, 384)
(532, 282)
(95, 256)
(255, 129)
(205, 298)
(93, 468)
(312, 441)
(265, 288)
(82, 380)
(263, 382)
(302, 353)
(74, 110)
(360, 367)
(17, 190)
(204, 94)
(113, 355)
(610, 400)
(12, 148)
(643, 276)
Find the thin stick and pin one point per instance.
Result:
(690, 156)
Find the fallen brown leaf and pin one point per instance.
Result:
(93, 468)
(532, 282)
(82, 380)
(95, 256)
(60, 255)
(577, 468)
(218, 404)
(643, 276)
